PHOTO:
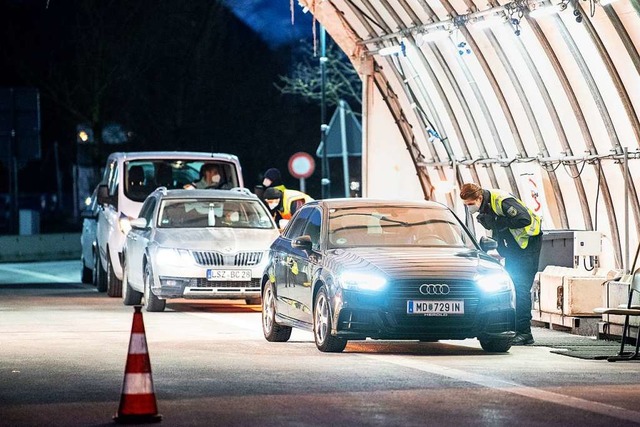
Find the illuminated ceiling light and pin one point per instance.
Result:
(432, 36)
(393, 50)
(488, 21)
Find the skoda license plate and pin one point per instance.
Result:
(229, 275)
(435, 308)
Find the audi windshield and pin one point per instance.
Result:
(386, 226)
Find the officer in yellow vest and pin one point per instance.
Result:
(517, 230)
(284, 203)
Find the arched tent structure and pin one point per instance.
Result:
(539, 98)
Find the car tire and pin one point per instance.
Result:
(151, 301)
(87, 274)
(253, 301)
(322, 325)
(101, 275)
(114, 285)
(129, 295)
(272, 331)
(495, 345)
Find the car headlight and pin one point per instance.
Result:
(362, 281)
(170, 256)
(494, 282)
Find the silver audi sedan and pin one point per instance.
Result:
(210, 244)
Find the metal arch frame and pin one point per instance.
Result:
(458, 93)
(597, 97)
(391, 99)
(410, 93)
(624, 36)
(626, 102)
(533, 121)
(470, 117)
(581, 120)
(412, 98)
(399, 73)
(395, 109)
(564, 141)
(508, 115)
(588, 138)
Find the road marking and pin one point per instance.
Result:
(42, 276)
(513, 388)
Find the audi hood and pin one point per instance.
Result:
(407, 263)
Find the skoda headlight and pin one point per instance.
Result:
(494, 282)
(170, 256)
(362, 281)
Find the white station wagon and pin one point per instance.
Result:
(197, 244)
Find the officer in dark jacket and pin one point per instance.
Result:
(517, 231)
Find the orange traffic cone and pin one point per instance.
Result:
(138, 400)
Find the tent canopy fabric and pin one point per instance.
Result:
(536, 97)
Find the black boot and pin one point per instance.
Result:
(523, 339)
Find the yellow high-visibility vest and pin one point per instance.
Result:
(292, 200)
(521, 235)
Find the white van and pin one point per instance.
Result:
(127, 181)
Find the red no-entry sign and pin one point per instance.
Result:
(301, 165)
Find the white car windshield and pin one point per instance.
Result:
(202, 213)
(381, 226)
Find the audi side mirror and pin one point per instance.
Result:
(302, 242)
(487, 244)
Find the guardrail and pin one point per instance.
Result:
(40, 247)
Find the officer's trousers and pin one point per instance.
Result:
(522, 265)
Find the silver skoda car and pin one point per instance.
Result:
(196, 244)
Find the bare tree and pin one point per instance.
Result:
(304, 80)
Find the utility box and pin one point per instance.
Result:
(587, 243)
(563, 248)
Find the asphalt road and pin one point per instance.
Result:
(63, 349)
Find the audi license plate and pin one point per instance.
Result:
(229, 275)
(435, 308)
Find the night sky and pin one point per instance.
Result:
(174, 75)
(272, 20)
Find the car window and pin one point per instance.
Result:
(218, 213)
(144, 176)
(313, 228)
(298, 223)
(396, 226)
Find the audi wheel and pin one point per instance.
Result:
(272, 331)
(322, 325)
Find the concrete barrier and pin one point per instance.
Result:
(40, 247)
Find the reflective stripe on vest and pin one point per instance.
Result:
(291, 198)
(521, 235)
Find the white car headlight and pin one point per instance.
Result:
(362, 281)
(494, 282)
(170, 256)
